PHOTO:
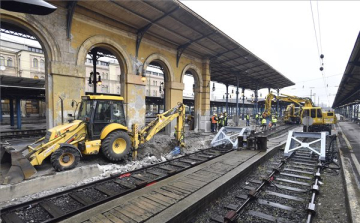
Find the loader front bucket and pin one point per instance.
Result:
(20, 169)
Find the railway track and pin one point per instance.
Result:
(284, 192)
(59, 206)
(17, 134)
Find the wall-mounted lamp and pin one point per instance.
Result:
(213, 87)
(160, 87)
(98, 81)
(232, 92)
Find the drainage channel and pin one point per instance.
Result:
(283, 191)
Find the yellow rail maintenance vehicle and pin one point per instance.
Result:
(99, 126)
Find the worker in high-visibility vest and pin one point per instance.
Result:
(263, 124)
(257, 118)
(214, 120)
(274, 120)
(220, 121)
(247, 120)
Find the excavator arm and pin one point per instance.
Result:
(287, 98)
(162, 120)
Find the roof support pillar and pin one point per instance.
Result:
(18, 113)
(1, 117)
(243, 102)
(277, 101)
(256, 110)
(237, 101)
(11, 111)
(227, 98)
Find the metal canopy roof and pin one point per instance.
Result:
(349, 89)
(20, 87)
(172, 24)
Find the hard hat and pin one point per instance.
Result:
(215, 114)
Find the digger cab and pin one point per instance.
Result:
(98, 111)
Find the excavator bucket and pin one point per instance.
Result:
(20, 169)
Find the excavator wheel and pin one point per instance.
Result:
(116, 145)
(65, 158)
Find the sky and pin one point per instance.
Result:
(282, 34)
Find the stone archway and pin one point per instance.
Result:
(168, 74)
(51, 50)
(195, 71)
(107, 43)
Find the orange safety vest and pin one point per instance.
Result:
(213, 120)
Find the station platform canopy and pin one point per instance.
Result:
(21, 87)
(171, 23)
(349, 89)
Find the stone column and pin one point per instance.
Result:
(68, 88)
(134, 96)
(204, 94)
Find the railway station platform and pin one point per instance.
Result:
(350, 158)
(28, 123)
(176, 198)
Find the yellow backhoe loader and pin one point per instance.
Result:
(99, 126)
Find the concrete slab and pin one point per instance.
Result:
(351, 168)
(45, 183)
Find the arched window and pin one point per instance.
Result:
(42, 64)
(2, 61)
(9, 62)
(35, 63)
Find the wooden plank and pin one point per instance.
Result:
(140, 211)
(296, 176)
(81, 199)
(154, 172)
(151, 202)
(293, 182)
(256, 181)
(175, 190)
(192, 181)
(113, 218)
(284, 196)
(298, 171)
(305, 164)
(121, 216)
(94, 219)
(105, 190)
(242, 196)
(52, 209)
(231, 207)
(153, 209)
(217, 218)
(169, 194)
(276, 205)
(124, 184)
(290, 188)
(140, 177)
(167, 201)
(268, 217)
(249, 188)
(199, 178)
(129, 213)
(103, 219)
(185, 186)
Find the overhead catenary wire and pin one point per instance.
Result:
(319, 46)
